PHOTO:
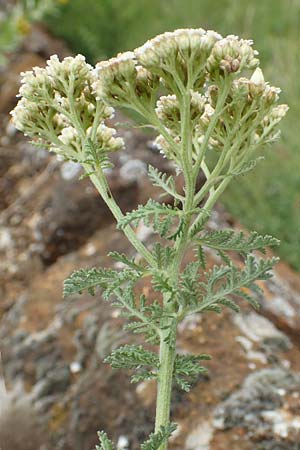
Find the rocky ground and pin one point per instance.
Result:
(56, 391)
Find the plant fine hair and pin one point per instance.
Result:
(213, 112)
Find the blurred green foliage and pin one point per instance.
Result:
(15, 23)
(269, 199)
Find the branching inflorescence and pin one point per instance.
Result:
(207, 99)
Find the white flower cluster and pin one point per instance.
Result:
(170, 48)
(168, 110)
(251, 110)
(58, 107)
(59, 103)
(119, 80)
(230, 55)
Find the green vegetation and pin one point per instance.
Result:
(15, 23)
(268, 199)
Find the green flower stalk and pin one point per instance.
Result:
(212, 110)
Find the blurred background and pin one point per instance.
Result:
(51, 223)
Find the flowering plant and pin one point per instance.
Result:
(192, 87)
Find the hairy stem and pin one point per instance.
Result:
(164, 387)
(102, 187)
(167, 351)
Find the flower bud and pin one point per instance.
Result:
(231, 55)
(111, 77)
(68, 135)
(257, 76)
(70, 74)
(277, 114)
(106, 139)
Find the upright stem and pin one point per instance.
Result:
(167, 351)
(164, 387)
(101, 185)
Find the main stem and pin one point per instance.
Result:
(167, 352)
(101, 185)
(164, 387)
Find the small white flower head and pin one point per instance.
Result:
(231, 55)
(31, 117)
(240, 90)
(198, 102)
(202, 125)
(111, 77)
(165, 149)
(167, 110)
(207, 115)
(106, 139)
(176, 51)
(36, 85)
(71, 75)
(271, 94)
(157, 50)
(120, 78)
(258, 77)
(68, 135)
(276, 114)
(146, 83)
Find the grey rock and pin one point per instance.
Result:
(55, 381)
(260, 392)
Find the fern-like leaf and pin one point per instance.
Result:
(132, 357)
(165, 182)
(157, 439)
(247, 166)
(187, 369)
(89, 279)
(223, 282)
(123, 259)
(229, 240)
(105, 443)
(157, 215)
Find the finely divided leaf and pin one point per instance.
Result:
(164, 181)
(157, 439)
(229, 240)
(122, 258)
(89, 279)
(132, 357)
(187, 369)
(106, 443)
(223, 282)
(157, 215)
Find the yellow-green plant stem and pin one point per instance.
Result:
(100, 183)
(167, 352)
(164, 386)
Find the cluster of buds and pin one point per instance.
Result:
(58, 108)
(249, 109)
(168, 150)
(182, 51)
(266, 131)
(69, 76)
(168, 110)
(120, 81)
(202, 126)
(231, 55)
(60, 103)
(254, 89)
(106, 138)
